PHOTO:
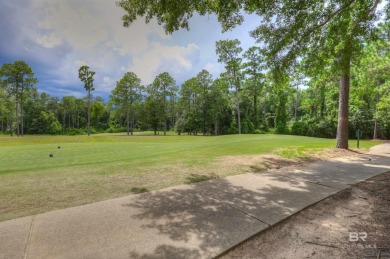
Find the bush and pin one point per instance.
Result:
(233, 129)
(281, 128)
(97, 131)
(299, 128)
(314, 127)
(247, 127)
(74, 132)
(116, 130)
(259, 132)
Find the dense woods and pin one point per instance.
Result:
(247, 98)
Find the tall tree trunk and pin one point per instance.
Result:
(204, 111)
(342, 126)
(376, 109)
(375, 129)
(89, 112)
(296, 104)
(127, 121)
(132, 122)
(237, 85)
(11, 126)
(165, 119)
(265, 107)
(21, 120)
(63, 122)
(204, 122)
(17, 118)
(322, 101)
(238, 112)
(255, 108)
(21, 111)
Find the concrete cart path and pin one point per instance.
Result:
(189, 221)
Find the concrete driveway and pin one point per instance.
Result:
(189, 221)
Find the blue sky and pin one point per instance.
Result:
(56, 37)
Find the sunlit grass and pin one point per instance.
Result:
(87, 169)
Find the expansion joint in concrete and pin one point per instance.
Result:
(243, 212)
(29, 237)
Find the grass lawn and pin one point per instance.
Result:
(88, 169)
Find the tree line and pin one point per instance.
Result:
(317, 35)
(246, 98)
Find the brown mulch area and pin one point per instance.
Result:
(330, 228)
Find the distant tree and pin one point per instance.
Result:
(163, 87)
(17, 77)
(80, 107)
(204, 82)
(86, 76)
(254, 68)
(219, 103)
(190, 116)
(67, 105)
(97, 110)
(49, 123)
(6, 114)
(229, 52)
(151, 110)
(126, 93)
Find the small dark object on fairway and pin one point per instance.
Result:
(51, 155)
(59, 147)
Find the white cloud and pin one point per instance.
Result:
(97, 38)
(214, 68)
(159, 58)
(49, 40)
(74, 24)
(59, 36)
(85, 26)
(80, 63)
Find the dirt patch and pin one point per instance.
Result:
(256, 162)
(354, 223)
(328, 153)
(259, 163)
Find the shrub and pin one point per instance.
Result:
(73, 132)
(233, 129)
(116, 129)
(299, 128)
(314, 127)
(257, 131)
(247, 127)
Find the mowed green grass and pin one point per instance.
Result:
(88, 169)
